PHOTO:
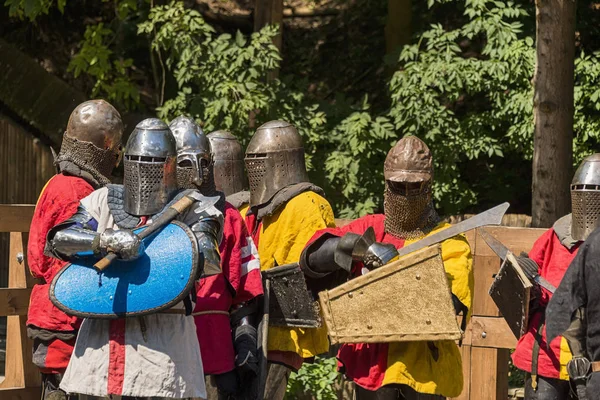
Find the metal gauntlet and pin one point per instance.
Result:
(125, 244)
(245, 338)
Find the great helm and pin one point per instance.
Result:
(274, 160)
(228, 156)
(150, 161)
(193, 152)
(92, 140)
(585, 198)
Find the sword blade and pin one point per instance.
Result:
(493, 216)
(501, 251)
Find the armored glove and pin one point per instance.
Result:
(126, 244)
(373, 254)
(245, 343)
(530, 268)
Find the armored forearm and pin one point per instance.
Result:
(330, 254)
(207, 232)
(74, 237)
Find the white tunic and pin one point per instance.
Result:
(114, 357)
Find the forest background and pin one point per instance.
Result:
(456, 73)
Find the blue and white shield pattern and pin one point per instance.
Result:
(157, 280)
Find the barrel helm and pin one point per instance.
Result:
(585, 198)
(150, 161)
(228, 155)
(274, 160)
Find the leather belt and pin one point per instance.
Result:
(181, 311)
(596, 366)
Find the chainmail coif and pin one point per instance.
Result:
(98, 162)
(409, 217)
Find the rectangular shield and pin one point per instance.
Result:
(291, 304)
(407, 300)
(511, 291)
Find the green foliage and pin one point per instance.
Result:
(316, 380)
(222, 79)
(110, 74)
(31, 9)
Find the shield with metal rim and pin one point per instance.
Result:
(406, 300)
(158, 280)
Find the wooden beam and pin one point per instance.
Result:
(14, 301)
(20, 370)
(491, 332)
(489, 373)
(30, 393)
(465, 353)
(16, 217)
(484, 269)
(515, 239)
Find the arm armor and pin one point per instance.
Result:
(208, 233)
(329, 254)
(73, 238)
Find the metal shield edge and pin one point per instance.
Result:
(311, 306)
(188, 287)
(510, 273)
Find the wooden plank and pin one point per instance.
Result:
(14, 301)
(484, 269)
(491, 332)
(489, 374)
(515, 239)
(16, 217)
(20, 371)
(30, 393)
(465, 353)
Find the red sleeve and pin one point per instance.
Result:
(58, 201)
(539, 254)
(240, 261)
(538, 251)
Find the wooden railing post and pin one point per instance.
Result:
(22, 378)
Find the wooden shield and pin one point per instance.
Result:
(406, 300)
(510, 291)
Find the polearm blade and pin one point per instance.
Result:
(493, 216)
(501, 251)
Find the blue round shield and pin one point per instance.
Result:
(157, 280)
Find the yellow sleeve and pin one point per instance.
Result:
(458, 263)
(301, 217)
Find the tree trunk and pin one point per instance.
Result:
(269, 12)
(553, 110)
(398, 24)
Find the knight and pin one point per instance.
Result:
(286, 209)
(138, 356)
(227, 305)
(411, 370)
(567, 260)
(90, 150)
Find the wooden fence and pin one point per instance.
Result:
(485, 349)
(22, 379)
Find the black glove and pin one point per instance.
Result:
(246, 349)
(529, 267)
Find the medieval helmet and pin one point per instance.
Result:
(193, 153)
(585, 198)
(274, 160)
(408, 173)
(92, 140)
(150, 178)
(228, 154)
